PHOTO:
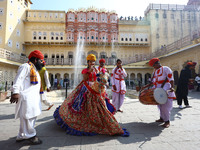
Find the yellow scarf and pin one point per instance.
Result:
(33, 76)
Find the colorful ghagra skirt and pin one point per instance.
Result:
(84, 112)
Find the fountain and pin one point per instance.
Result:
(78, 60)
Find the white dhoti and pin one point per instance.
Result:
(26, 129)
(117, 100)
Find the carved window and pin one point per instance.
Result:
(17, 45)
(164, 15)
(10, 43)
(1, 11)
(157, 15)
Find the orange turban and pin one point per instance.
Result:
(102, 61)
(91, 57)
(37, 54)
(153, 61)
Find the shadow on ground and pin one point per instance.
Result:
(53, 136)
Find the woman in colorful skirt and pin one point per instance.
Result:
(84, 112)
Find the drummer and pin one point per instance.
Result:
(163, 78)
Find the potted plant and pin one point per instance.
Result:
(3, 93)
(58, 86)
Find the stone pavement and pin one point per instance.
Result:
(138, 119)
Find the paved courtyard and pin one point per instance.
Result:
(138, 119)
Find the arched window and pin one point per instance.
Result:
(45, 56)
(122, 39)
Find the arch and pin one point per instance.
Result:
(45, 55)
(57, 56)
(57, 75)
(70, 54)
(103, 55)
(132, 76)
(66, 75)
(51, 78)
(139, 78)
(53, 56)
(147, 77)
(114, 55)
(62, 55)
(93, 52)
(175, 73)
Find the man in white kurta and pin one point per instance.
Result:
(118, 85)
(163, 78)
(27, 96)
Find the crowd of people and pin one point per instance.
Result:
(88, 110)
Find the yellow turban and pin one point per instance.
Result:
(91, 57)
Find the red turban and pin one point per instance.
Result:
(152, 61)
(37, 54)
(102, 61)
(190, 63)
(194, 63)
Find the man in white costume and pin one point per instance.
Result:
(118, 85)
(26, 94)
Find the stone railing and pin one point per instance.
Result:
(186, 41)
(6, 54)
(71, 61)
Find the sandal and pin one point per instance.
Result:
(166, 125)
(120, 111)
(35, 140)
(49, 107)
(160, 120)
(20, 140)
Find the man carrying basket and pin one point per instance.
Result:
(163, 78)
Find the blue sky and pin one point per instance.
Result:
(122, 7)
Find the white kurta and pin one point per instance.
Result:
(159, 76)
(117, 79)
(30, 102)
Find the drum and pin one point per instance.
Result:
(153, 96)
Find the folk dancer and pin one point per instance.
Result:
(26, 94)
(84, 111)
(118, 85)
(103, 69)
(163, 78)
(45, 85)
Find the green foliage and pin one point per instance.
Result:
(2, 86)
